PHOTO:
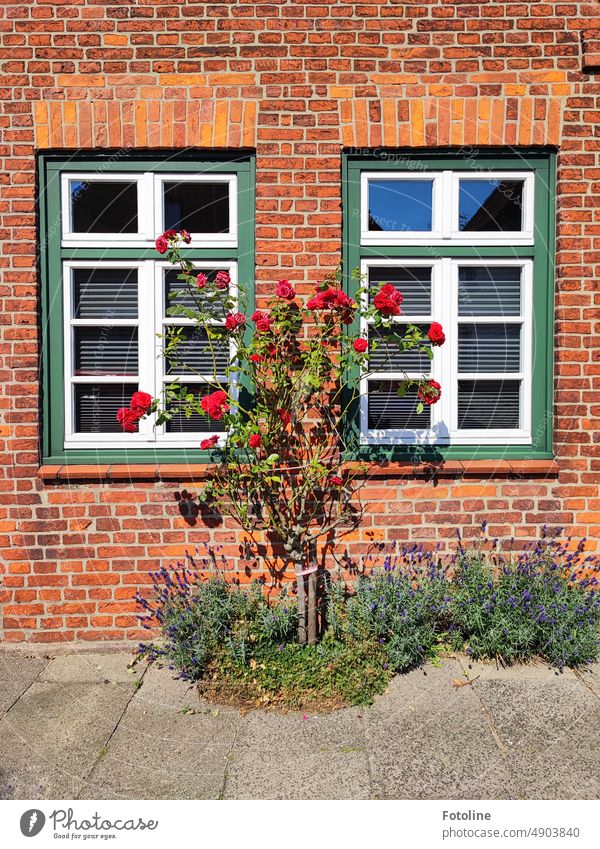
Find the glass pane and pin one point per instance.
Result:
(105, 293)
(413, 282)
(179, 295)
(104, 206)
(400, 205)
(387, 411)
(96, 406)
(489, 347)
(196, 353)
(197, 207)
(489, 290)
(196, 423)
(385, 355)
(485, 404)
(490, 205)
(106, 350)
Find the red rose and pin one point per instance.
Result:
(201, 280)
(255, 440)
(209, 443)
(335, 480)
(436, 334)
(255, 358)
(262, 321)
(222, 280)
(284, 416)
(128, 419)
(430, 392)
(360, 345)
(285, 290)
(162, 246)
(140, 401)
(235, 320)
(185, 236)
(170, 234)
(388, 300)
(215, 405)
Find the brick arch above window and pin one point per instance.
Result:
(150, 123)
(450, 120)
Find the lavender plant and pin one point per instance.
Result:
(403, 606)
(541, 602)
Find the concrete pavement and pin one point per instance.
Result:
(87, 726)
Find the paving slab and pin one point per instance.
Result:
(161, 750)
(299, 756)
(93, 669)
(429, 739)
(52, 736)
(590, 676)
(550, 727)
(17, 674)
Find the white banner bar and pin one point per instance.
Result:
(300, 824)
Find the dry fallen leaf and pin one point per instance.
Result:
(458, 682)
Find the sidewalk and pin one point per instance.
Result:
(84, 726)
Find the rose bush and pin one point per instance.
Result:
(278, 445)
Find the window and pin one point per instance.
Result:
(468, 243)
(108, 294)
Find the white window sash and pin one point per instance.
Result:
(444, 366)
(161, 378)
(150, 209)
(445, 210)
(218, 239)
(151, 375)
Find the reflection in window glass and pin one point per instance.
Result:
(485, 404)
(106, 350)
(197, 207)
(489, 347)
(96, 406)
(414, 282)
(490, 205)
(103, 206)
(400, 205)
(388, 411)
(489, 290)
(105, 293)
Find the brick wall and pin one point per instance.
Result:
(298, 81)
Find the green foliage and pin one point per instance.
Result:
(541, 602)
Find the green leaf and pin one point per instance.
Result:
(420, 407)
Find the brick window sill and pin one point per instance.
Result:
(54, 474)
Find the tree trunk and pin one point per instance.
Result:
(301, 596)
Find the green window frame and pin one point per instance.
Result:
(447, 248)
(60, 250)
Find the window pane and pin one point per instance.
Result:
(489, 347)
(104, 206)
(494, 205)
(196, 423)
(385, 355)
(387, 411)
(179, 295)
(486, 404)
(96, 406)
(197, 207)
(400, 205)
(106, 350)
(413, 282)
(489, 290)
(105, 293)
(196, 353)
